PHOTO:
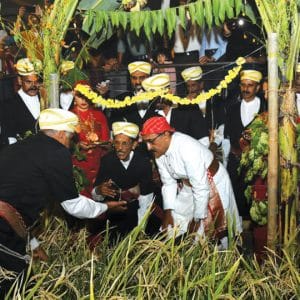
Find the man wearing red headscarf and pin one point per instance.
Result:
(204, 194)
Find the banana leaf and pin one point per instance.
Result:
(97, 38)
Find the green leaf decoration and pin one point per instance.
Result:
(250, 13)
(182, 16)
(238, 4)
(192, 11)
(153, 21)
(208, 13)
(114, 17)
(199, 13)
(160, 22)
(88, 21)
(98, 21)
(216, 8)
(171, 21)
(123, 19)
(135, 23)
(105, 18)
(229, 9)
(222, 12)
(147, 25)
(231, 3)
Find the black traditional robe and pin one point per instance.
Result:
(190, 122)
(18, 119)
(233, 131)
(139, 172)
(33, 171)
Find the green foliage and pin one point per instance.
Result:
(81, 181)
(201, 12)
(254, 157)
(142, 268)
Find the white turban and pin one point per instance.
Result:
(129, 129)
(251, 75)
(25, 67)
(192, 73)
(298, 68)
(156, 82)
(58, 119)
(141, 66)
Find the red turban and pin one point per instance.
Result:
(156, 125)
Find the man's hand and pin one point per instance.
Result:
(205, 59)
(194, 226)
(116, 206)
(105, 189)
(86, 146)
(40, 253)
(102, 88)
(168, 219)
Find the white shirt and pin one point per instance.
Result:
(194, 39)
(185, 158)
(32, 103)
(126, 163)
(165, 4)
(249, 110)
(66, 99)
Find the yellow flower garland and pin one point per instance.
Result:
(114, 103)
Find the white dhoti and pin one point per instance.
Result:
(184, 205)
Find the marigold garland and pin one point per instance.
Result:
(114, 103)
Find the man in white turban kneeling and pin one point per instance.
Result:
(126, 174)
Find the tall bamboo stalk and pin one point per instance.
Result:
(273, 139)
(282, 17)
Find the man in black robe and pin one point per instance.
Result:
(22, 109)
(188, 121)
(213, 110)
(139, 112)
(126, 174)
(35, 171)
(239, 117)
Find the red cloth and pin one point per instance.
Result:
(156, 125)
(91, 121)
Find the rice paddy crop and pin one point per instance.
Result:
(138, 267)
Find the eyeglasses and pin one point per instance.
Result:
(122, 144)
(151, 141)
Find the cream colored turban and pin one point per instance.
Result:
(141, 66)
(58, 119)
(192, 73)
(156, 82)
(251, 75)
(25, 67)
(129, 129)
(298, 68)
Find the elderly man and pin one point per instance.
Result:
(23, 109)
(140, 112)
(38, 170)
(187, 121)
(213, 110)
(204, 195)
(125, 174)
(239, 116)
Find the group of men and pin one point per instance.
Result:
(198, 196)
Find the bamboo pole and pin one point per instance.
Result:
(53, 91)
(273, 139)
